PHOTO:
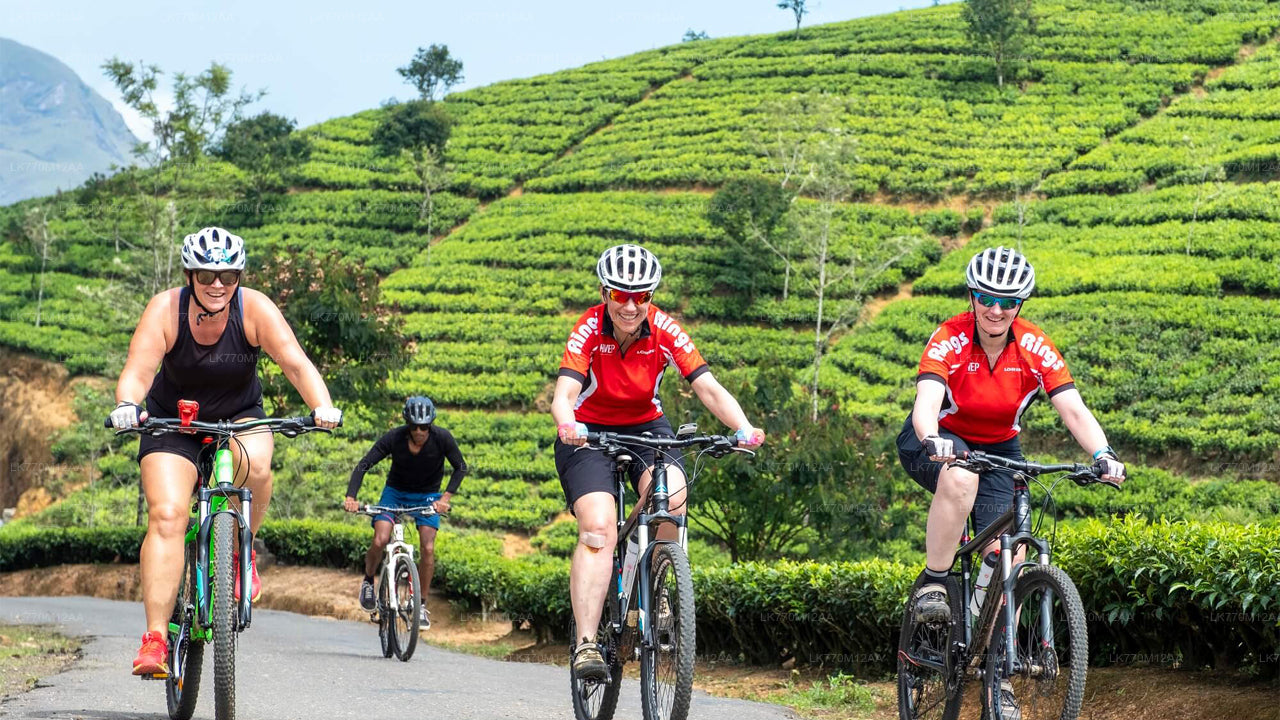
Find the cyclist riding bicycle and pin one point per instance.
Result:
(612, 366)
(978, 374)
(418, 450)
(205, 338)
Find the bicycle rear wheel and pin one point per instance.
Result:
(666, 667)
(924, 692)
(408, 606)
(186, 654)
(594, 700)
(385, 633)
(225, 539)
(1051, 665)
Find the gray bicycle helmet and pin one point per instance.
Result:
(1001, 271)
(213, 249)
(629, 268)
(419, 410)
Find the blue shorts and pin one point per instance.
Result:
(398, 498)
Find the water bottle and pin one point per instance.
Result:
(984, 579)
(629, 564)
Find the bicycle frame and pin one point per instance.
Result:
(397, 546)
(659, 501)
(1018, 519)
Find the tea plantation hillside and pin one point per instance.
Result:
(1132, 156)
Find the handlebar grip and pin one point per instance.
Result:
(107, 423)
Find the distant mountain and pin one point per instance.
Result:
(55, 131)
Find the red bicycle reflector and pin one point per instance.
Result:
(187, 411)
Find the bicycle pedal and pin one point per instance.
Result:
(155, 676)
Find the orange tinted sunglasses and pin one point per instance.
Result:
(621, 296)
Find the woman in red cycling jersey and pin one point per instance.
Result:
(613, 364)
(979, 372)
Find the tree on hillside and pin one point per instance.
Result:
(43, 244)
(266, 147)
(432, 71)
(691, 36)
(334, 307)
(418, 131)
(798, 8)
(795, 498)
(999, 29)
(752, 212)
(202, 108)
(814, 155)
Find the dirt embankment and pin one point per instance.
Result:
(35, 403)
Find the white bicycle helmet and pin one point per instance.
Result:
(213, 249)
(1001, 271)
(629, 268)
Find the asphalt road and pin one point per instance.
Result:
(297, 666)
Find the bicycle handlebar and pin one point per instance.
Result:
(1082, 475)
(375, 510)
(285, 426)
(718, 445)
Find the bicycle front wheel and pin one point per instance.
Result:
(666, 666)
(594, 700)
(1052, 651)
(929, 676)
(225, 539)
(186, 654)
(407, 597)
(385, 633)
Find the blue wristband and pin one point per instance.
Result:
(1104, 451)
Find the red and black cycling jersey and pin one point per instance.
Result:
(622, 388)
(983, 403)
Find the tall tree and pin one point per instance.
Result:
(266, 147)
(43, 243)
(334, 307)
(999, 29)
(752, 212)
(798, 8)
(432, 71)
(418, 132)
(814, 154)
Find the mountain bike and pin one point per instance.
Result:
(1029, 637)
(399, 592)
(205, 610)
(650, 614)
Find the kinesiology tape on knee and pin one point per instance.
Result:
(594, 541)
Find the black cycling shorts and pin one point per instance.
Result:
(585, 470)
(995, 486)
(188, 446)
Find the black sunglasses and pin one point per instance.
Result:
(420, 427)
(228, 277)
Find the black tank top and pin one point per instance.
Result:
(222, 377)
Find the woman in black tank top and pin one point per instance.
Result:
(205, 339)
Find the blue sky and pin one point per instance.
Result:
(337, 58)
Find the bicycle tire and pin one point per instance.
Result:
(1057, 694)
(385, 635)
(946, 692)
(674, 634)
(596, 700)
(406, 620)
(226, 538)
(186, 653)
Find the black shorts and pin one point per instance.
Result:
(585, 470)
(995, 487)
(188, 446)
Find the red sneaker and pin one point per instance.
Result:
(153, 656)
(255, 585)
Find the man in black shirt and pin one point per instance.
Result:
(418, 450)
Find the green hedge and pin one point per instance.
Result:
(1200, 594)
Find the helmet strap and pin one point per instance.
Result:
(191, 283)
